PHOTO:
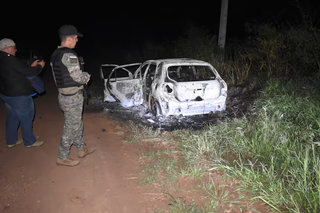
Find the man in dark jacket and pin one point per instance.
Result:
(16, 91)
(70, 81)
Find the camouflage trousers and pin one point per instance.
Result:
(72, 107)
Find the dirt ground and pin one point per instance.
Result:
(104, 182)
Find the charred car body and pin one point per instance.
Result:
(166, 86)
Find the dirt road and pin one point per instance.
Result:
(104, 182)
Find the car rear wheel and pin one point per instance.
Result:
(155, 108)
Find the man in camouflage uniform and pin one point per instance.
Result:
(70, 81)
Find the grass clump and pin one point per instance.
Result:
(274, 155)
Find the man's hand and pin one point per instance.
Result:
(42, 63)
(88, 81)
(35, 63)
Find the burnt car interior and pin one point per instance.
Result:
(190, 73)
(149, 79)
(150, 75)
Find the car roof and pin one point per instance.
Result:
(177, 61)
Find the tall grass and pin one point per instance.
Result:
(276, 159)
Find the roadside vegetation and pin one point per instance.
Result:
(268, 159)
(271, 152)
(270, 155)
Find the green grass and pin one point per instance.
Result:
(273, 154)
(141, 133)
(277, 161)
(216, 194)
(157, 167)
(180, 206)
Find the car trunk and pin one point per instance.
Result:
(197, 91)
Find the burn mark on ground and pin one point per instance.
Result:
(239, 102)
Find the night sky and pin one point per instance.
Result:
(109, 30)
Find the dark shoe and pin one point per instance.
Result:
(16, 144)
(84, 151)
(37, 143)
(67, 162)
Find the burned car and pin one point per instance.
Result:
(166, 87)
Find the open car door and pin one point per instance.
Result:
(124, 87)
(105, 70)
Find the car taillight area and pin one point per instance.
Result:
(168, 88)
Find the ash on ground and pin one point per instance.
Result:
(238, 103)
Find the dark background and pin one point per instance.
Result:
(110, 30)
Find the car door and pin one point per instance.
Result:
(146, 75)
(124, 87)
(148, 82)
(105, 70)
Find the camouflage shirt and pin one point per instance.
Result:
(71, 61)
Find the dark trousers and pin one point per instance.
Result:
(20, 111)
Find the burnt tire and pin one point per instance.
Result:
(155, 108)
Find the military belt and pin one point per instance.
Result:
(80, 91)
